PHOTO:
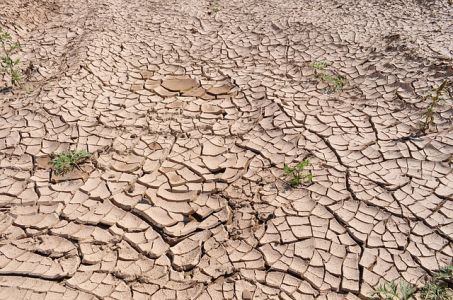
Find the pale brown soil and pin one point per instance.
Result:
(190, 109)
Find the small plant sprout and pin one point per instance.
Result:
(434, 291)
(214, 6)
(67, 161)
(438, 287)
(435, 98)
(298, 174)
(8, 63)
(395, 291)
(445, 273)
(319, 65)
(334, 81)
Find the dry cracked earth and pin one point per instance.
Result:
(190, 109)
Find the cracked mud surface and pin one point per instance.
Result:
(190, 109)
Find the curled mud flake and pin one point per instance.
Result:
(179, 84)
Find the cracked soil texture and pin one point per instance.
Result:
(191, 108)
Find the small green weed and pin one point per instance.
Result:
(395, 291)
(445, 273)
(319, 65)
(434, 290)
(334, 81)
(214, 6)
(435, 98)
(437, 287)
(298, 174)
(67, 161)
(9, 65)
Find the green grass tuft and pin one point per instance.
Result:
(437, 288)
(436, 96)
(7, 63)
(334, 81)
(67, 161)
(319, 65)
(434, 290)
(298, 174)
(395, 291)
